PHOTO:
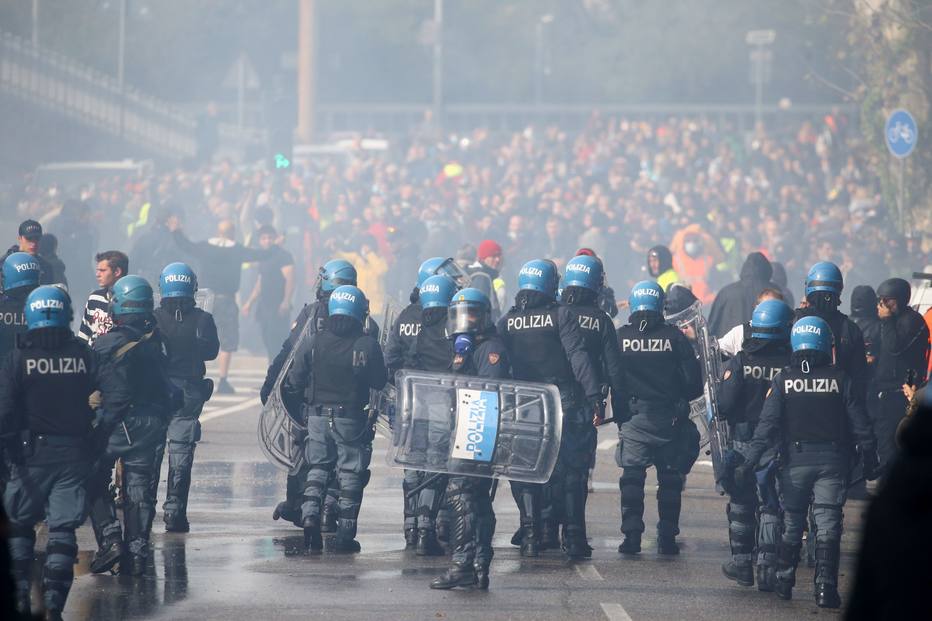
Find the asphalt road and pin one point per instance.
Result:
(236, 563)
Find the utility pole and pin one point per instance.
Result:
(761, 60)
(306, 24)
(121, 63)
(438, 62)
(35, 23)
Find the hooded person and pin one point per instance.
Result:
(735, 303)
(864, 313)
(660, 266)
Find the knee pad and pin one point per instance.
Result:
(828, 519)
(22, 531)
(738, 513)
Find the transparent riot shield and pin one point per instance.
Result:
(457, 424)
(203, 298)
(483, 282)
(281, 432)
(704, 410)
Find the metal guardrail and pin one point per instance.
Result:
(392, 118)
(72, 89)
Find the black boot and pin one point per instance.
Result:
(765, 578)
(530, 546)
(175, 523)
(482, 577)
(107, 556)
(549, 535)
(345, 541)
(457, 576)
(518, 537)
(826, 574)
(667, 545)
(577, 548)
(410, 538)
(328, 518)
(285, 511)
(427, 544)
(785, 575)
(312, 540)
(631, 544)
(826, 596)
(740, 572)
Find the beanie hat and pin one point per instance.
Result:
(488, 248)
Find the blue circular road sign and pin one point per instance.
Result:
(901, 133)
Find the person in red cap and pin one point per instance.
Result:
(486, 275)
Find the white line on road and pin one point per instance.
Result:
(239, 396)
(588, 571)
(604, 445)
(704, 462)
(615, 612)
(233, 409)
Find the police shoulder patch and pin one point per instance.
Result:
(494, 357)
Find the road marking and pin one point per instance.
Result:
(241, 394)
(615, 612)
(233, 409)
(704, 462)
(604, 445)
(587, 571)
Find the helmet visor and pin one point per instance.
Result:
(466, 318)
(453, 271)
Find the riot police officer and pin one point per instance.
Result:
(545, 344)
(134, 347)
(399, 354)
(478, 351)
(815, 410)
(46, 420)
(662, 374)
(581, 286)
(431, 351)
(331, 376)
(20, 276)
(190, 338)
(333, 274)
(824, 284)
(745, 382)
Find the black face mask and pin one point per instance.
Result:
(433, 316)
(528, 298)
(343, 325)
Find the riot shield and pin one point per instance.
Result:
(203, 298)
(704, 410)
(483, 282)
(463, 425)
(281, 432)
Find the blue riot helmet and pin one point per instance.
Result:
(177, 281)
(436, 292)
(771, 320)
(539, 275)
(443, 267)
(647, 295)
(824, 276)
(470, 312)
(350, 301)
(336, 273)
(811, 334)
(20, 269)
(583, 271)
(48, 306)
(131, 295)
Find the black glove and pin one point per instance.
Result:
(744, 476)
(870, 464)
(732, 460)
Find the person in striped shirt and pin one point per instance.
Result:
(111, 266)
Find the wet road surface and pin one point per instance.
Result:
(236, 563)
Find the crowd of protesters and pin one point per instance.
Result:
(710, 194)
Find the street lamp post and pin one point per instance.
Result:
(539, 63)
(761, 59)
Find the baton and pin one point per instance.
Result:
(129, 440)
(425, 483)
